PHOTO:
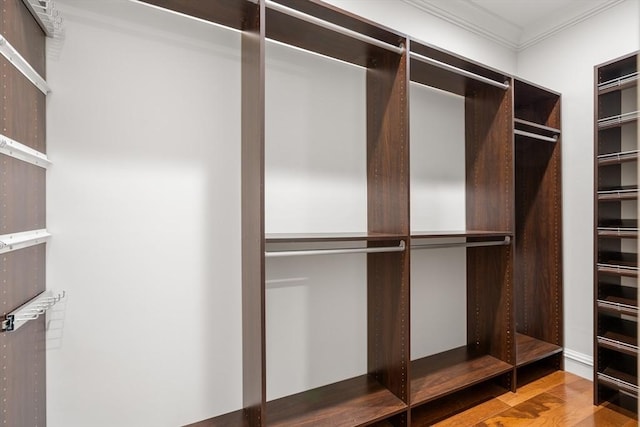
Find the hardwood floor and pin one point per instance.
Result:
(559, 399)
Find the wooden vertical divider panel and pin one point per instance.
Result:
(489, 206)
(253, 233)
(388, 212)
(22, 208)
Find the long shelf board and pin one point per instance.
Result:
(618, 380)
(618, 120)
(529, 126)
(232, 419)
(357, 401)
(530, 349)
(617, 271)
(621, 83)
(436, 376)
(331, 237)
(617, 158)
(618, 232)
(459, 233)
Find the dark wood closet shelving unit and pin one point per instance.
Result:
(398, 391)
(538, 233)
(616, 233)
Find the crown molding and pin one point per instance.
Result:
(472, 18)
(475, 19)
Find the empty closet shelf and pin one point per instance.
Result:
(533, 127)
(436, 376)
(530, 349)
(617, 120)
(618, 259)
(618, 345)
(618, 306)
(356, 401)
(618, 380)
(616, 270)
(627, 192)
(623, 228)
(619, 83)
(617, 157)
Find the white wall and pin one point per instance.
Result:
(144, 201)
(565, 63)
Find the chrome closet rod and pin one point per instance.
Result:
(504, 242)
(400, 248)
(457, 70)
(331, 26)
(535, 135)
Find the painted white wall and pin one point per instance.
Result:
(565, 63)
(144, 201)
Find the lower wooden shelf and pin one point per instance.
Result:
(444, 373)
(530, 349)
(353, 402)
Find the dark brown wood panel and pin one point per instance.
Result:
(475, 234)
(309, 36)
(232, 419)
(538, 246)
(230, 13)
(22, 108)
(331, 237)
(253, 237)
(22, 196)
(23, 32)
(445, 373)
(22, 362)
(22, 352)
(388, 212)
(355, 402)
(530, 349)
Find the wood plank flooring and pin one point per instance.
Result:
(559, 399)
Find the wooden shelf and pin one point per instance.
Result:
(617, 158)
(232, 419)
(618, 259)
(353, 402)
(229, 13)
(436, 376)
(617, 271)
(622, 228)
(459, 233)
(620, 83)
(618, 380)
(616, 194)
(529, 349)
(617, 120)
(331, 237)
(617, 299)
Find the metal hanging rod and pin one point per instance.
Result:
(506, 241)
(13, 242)
(535, 135)
(273, 254)
(20, 151)
(457, 70)
(23, 66)
(47, 16)
(31, 310)
(331, 26)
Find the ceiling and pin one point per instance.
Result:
(516, 24)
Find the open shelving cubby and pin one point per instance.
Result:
(616, 233)
(465, 210)
(538, 247)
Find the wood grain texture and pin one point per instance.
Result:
(253, 237)
(388, 212)
(435, 376)
(475, 400)
(22, 352)
(230, 13)
(22, 196)
(355, 402)
(23, 32)
(232, 419)
(22, 108)
(530, 349)
(296, 32)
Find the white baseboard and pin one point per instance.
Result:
(578, 363)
